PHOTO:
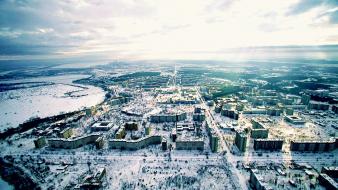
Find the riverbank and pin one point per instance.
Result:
(61, 95)
(16, 176)
(4, 185)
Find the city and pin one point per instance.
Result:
(188, 126)
(169, 94)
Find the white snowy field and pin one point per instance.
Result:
(16, 106)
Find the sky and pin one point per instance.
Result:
(158, 29)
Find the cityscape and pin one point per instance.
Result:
(87, 121)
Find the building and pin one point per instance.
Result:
(313, 146)
(273, 111)
(231, 113)
(268, 144)
(259, 130)
(164, 144)
(121, 133)
(185, 127)
(72, 143)
(99, 143)
(241, 141)
(256, 182)
(335, 109)
(214, 139)
(102, 126)
(174, 134)
(147, 130)
(289, 111)
(218, 108)
(119, 100)
(318, 105)
(173, 117)
(198, 115)
(328, 176)
(131, 126)
(255, 111)
(259, 133)
(91, 111)
(40, 142)
(305, 99)
(294, 119)
(328, 182)
(210, 103)
(331, 171)
(93, 181)
(135, 144)
(187, 143)
(66, 133)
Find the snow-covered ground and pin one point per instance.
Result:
(60, 95)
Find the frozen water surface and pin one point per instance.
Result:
(60, 95)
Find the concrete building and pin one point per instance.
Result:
(318, 105)
(148, 130)
(328, 176)
(331, 171)
(185, 127)
(173, 117)
(198, 115)
(231, 113)
(72, 143)
(174, 134)
(186, 143)
(273, 111)
(121, 133)
(313, 146)
(257, 182)
(305, 99)
(241, 141)
(93, 181)
(218, 108)
(66, 133)
(135, 144)
(268, 144)
(210, 103)
(335, 109)
(119, 100)
(294, 119)
(258, 131)
(99, 143)
(40, 142)
(289, 111)
(213, 138)
(255, 111)
(328, 182)
(131, 126)
(102, 126)
(164, 144)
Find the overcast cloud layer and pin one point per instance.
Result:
(147, 29)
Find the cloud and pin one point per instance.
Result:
(306, 5)
(333, 17)
(146, 28)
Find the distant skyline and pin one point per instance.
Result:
(156, 29)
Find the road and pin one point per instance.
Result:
(228, 157)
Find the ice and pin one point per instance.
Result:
(61, 96)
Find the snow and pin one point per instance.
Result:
(19, 105)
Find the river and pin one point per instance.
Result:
(4, 185)
(56, 94)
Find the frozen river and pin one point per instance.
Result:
(4, 185)
(56, 94)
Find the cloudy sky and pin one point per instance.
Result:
(158, 29)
